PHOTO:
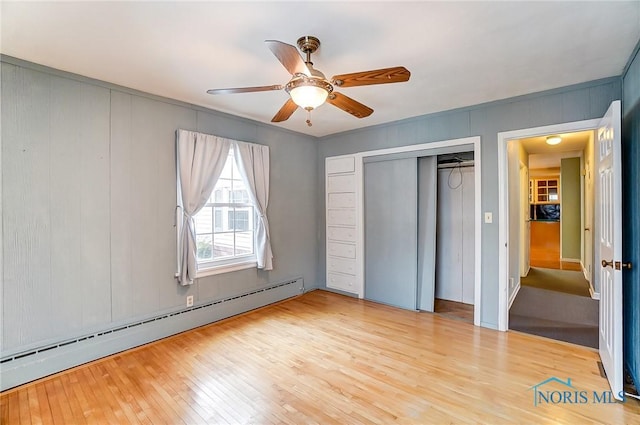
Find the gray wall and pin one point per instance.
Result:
(574, 103)
(88, 204)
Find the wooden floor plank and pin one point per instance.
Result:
(23, 400)
(98, 410)
(62, 404)
(34, 407)
(13, 409)
(44, 411)
(67, 384)
(324, 358)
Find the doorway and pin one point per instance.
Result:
(553, 293)
(509, 233)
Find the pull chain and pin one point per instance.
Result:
(309, 117)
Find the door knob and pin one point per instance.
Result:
(618, 265)
(606, 263)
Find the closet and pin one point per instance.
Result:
(400, 227)
(455, 240)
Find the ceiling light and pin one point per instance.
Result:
(308, 93)
(553, 140)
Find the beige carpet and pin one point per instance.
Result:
(566, 281)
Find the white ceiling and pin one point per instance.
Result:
(542, 155)
(459, 54)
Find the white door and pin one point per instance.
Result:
(609, 204)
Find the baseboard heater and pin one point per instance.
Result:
(36, 363)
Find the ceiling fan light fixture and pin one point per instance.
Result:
(308, 93)
(554, 140)
(309, 97)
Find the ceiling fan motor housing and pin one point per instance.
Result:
(308, 44)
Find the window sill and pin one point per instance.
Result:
(226, 268)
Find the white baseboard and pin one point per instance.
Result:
(571, 260)
(594, 295)
(514, 294)
(585, 273)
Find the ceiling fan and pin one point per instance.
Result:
(309, 88)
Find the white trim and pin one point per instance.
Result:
(571, 260)
(424, 146)
(226, 268)
(513, 296)
(503, 199)
(594, 295)
(359, 176)
(475, 141)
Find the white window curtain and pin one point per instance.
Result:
(200, 159)
(253, 163)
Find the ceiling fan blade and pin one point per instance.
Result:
(289, 57)
(285, 112)
(245, 89)
(349, 105)
(397, 74)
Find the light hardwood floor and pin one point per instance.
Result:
(544, 247)
(324, 358)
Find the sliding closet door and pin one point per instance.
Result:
(427, 202)
(390, 213)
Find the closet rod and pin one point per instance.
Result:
(457, 165)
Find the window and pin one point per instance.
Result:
(225, 225)
(239, 220)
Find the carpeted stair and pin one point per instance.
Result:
(555, 315)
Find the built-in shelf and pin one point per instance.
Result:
(544, 191)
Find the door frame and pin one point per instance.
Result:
(435, 146)
(503, 201)
(525, 221)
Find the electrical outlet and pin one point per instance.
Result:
(190, 301)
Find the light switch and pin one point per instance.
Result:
(488, 217)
